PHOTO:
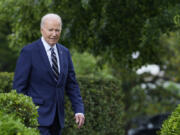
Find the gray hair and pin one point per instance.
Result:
(50, 15)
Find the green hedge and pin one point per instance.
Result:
(103, 107)
(171, 126)
(9, 125)
(20, 106)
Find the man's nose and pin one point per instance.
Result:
(54, 33)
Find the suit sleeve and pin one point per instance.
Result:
(72, 88)
(22, 72)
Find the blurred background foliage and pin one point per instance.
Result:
(108, 39)
(87, 65)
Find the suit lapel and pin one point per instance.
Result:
(61, 63)
(45, 58)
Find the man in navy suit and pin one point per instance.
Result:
(44, 71)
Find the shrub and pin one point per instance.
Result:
(171, 126)
(20, 106)
(103, 108)
(13, 126)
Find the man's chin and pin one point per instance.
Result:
(52, 43)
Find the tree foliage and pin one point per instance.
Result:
(172, 58)
(7, 57)
(112, 29)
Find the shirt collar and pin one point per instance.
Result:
(46, 45)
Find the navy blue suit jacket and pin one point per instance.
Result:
(34, 78)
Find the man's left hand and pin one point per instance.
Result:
(79, 119)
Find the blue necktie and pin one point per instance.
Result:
(54, 64)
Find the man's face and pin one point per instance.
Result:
(51, 31)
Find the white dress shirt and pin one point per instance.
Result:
(48, 51)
